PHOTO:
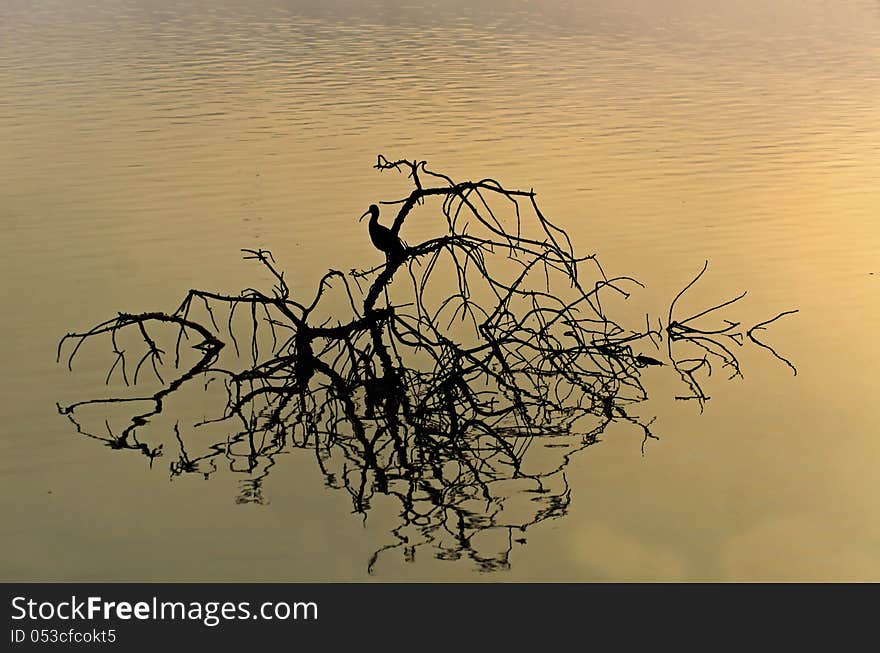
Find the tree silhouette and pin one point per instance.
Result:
(429, 381)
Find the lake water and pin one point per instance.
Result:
(145, 142)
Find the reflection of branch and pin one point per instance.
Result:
(431, 387)
(210, 348)
(763, 325)
(711, 343)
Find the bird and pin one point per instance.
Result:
(384, 239)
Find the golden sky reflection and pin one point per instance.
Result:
(144, 146)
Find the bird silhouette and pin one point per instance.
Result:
(384, 239)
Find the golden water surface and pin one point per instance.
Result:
(143, 143)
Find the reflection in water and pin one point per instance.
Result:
(427, 380)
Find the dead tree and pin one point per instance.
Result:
(429, 382)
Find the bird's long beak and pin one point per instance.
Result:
(366, 213)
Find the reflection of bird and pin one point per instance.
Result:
(383, 238)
